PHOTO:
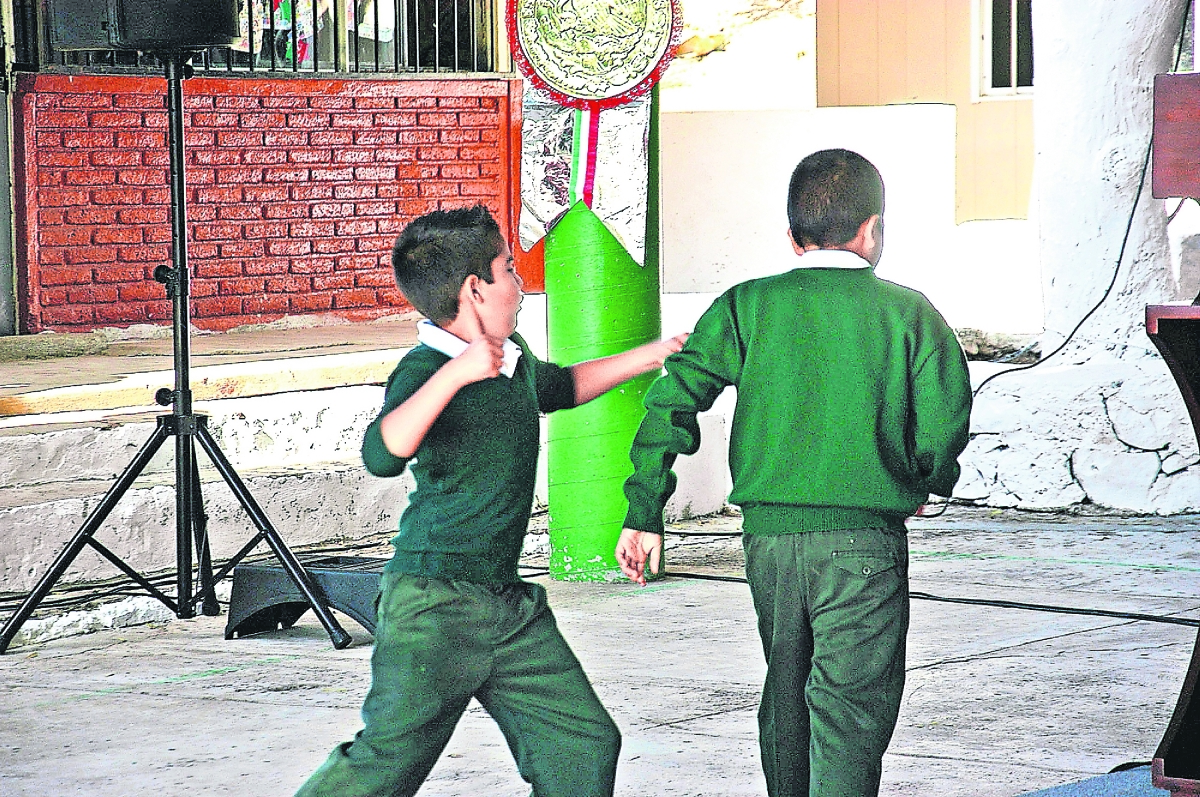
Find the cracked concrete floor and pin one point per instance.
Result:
(999, 701)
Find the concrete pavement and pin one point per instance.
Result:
(999, 701)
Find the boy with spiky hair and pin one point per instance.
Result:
(455, 620)
(853, 402)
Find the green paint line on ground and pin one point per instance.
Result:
(1050, 560)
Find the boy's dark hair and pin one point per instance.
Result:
(436, 252)
(831, 194)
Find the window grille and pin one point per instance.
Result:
(313, 37)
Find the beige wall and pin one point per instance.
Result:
(884, 52)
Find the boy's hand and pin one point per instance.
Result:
(634, 548)
(668, 346)
(481, 360)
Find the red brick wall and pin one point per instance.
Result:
(296, 190)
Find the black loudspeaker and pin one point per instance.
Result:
(147, 25)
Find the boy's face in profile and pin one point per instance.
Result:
(502, 297)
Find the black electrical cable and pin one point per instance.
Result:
(944, 505)
(1179, 207)
(73, 596)
(1107, 291)
(1041, 607)
(1035, 607)
(1124, 240)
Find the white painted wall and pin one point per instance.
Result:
(1102, 422)
(751, 39)
(725, 177)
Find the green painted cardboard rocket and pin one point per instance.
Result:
(587, 186)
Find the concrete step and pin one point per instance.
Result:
(336, 502)
(297, 453)
(119, 370)
(295, 427)
(287, 407)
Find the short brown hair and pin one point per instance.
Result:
(832, 192)
(436, 253)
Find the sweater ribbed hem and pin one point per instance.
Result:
(773, 520)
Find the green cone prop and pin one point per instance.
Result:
(601, 302)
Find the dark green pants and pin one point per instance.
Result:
(440, 643)
(833, 616)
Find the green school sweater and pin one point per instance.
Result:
(474, 470)
(853, 403)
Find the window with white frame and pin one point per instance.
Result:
(1006, 52)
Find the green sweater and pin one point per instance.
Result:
(474, 470)
(853, 403)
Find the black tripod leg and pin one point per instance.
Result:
(291, 564)
(83, 537)
(185, 469)
(210, 607)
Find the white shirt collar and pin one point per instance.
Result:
(832, 258)
(452, 345)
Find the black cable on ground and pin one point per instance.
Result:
(1035, 607)
(79, 595)
(1040, 607)
(74, 596)
(1128, 765)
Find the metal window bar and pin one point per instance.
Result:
(273, 41)
(293, 34)
(353, 21)
(417, 34)
(401, 34)
(378, 33)
(337, 44)
(351, 37)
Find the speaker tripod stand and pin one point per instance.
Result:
(187, 428)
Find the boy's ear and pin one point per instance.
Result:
(797, 248)
(470, 288)
(869, 241)
(869, 229)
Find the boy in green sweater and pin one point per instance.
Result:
(853, 402)
(455, 621)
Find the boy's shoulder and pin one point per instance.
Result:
(774, 286)
(418, 364)
(854, 291)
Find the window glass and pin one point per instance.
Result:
(1006, 40)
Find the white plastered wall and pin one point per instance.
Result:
(725, 177)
